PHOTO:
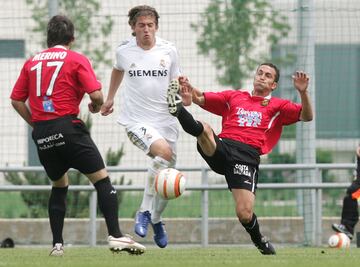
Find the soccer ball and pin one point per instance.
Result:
(339, 240)
(170, 183)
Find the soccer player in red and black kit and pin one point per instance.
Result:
(54, 82)
(251, 125)
(350, 212)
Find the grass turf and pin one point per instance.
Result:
(181, 256)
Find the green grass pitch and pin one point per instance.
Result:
(181, 256)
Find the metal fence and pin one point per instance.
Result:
(205, 187)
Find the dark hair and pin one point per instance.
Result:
(142, 10)
(277, 71)
(60, 31)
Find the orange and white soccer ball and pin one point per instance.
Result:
(170, 183)
(339, 240)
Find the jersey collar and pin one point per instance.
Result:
(60, 46)
(268, 97)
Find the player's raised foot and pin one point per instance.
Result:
(57, 250)
(173, 97)
(142, 220)
(265, 247)
(340, 228)
(160, 235)
(125, 243)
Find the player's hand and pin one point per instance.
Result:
(93, 108)
(301, 81)
(185, 90)
(358, 151)
(107, 107)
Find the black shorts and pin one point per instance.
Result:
(65, 143)
(239, 163)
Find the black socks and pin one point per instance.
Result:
(189, 124)
(108, 204)
(57, 209)
(253, 229)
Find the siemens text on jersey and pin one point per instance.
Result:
(148, 73)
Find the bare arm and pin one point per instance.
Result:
(301, 82)
(198, 97)
(115, 81)
(23, 111)
(97, 100)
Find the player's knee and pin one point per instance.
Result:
(244, 215)
(206, 141)
(208, 131)
(162, 149)
(166, 154)
(207, 134)
(159, 162)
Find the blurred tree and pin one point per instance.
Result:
(77, 201)
(229, 32)
(88, 26)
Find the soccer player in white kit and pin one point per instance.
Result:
(145, 64)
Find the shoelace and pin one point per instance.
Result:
(145, 220)
(128, 236)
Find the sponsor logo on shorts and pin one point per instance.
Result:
(136, 140)
(50, 141)
(49, 138)
(241, 169)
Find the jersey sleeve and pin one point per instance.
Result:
(215, 102)
(20, 91)
(175, 66)
(290, 113)
(87, 77)
(117, 64)
(118, 55)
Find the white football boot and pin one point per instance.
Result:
(58, 250)
(125, 243)
(173, 97)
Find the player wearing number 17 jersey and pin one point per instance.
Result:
(54, 82)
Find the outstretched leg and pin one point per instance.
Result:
(176, 108)
(202, 131)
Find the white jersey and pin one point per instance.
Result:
(147, 74)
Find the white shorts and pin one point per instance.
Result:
(142, 135)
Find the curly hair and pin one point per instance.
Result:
(142, 10)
